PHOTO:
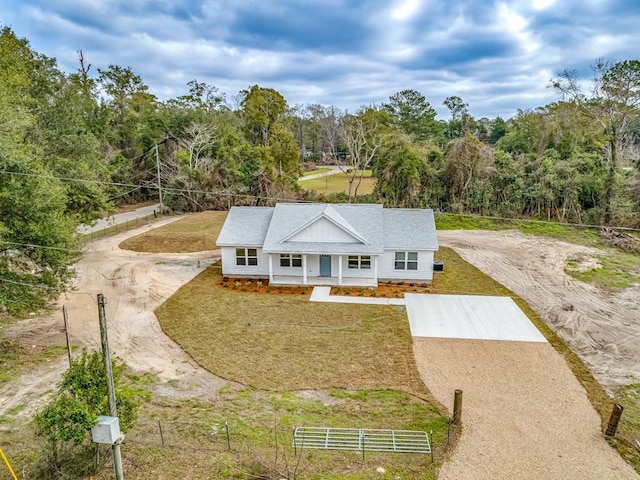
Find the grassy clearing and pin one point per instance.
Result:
(194, 233)
(338, 183)
(300, 345)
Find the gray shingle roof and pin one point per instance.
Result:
(372, 228)
(363, 222)
(245, 226)
(406, 228)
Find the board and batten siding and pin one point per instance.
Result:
(323, 231)
(229, 266)
(386, 263)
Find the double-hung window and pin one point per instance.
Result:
(290, 260)
(362, 262)
(247, 256)
(406, 261)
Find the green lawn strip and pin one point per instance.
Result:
(194, 233)
(338, 183)
(195, 432)
(577, 235)
(284, 342)
(629, 428)
(461, 277)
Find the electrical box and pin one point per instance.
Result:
(106, 430)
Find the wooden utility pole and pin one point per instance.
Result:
(111, 389)
(159, 182)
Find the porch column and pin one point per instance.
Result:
(375, 268)
(304, 269)
(339, 269)
(270, 268)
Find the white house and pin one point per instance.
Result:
(328, 244)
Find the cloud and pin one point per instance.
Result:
(498, 55)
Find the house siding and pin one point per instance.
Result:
(229, 266)
(386, 270)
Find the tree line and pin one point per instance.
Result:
(76, 145)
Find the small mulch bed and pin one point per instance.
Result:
(384, 289)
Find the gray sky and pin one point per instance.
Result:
(498, 56)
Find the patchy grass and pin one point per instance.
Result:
(285, 342)
(194, 233)
(617, 271)
(15, 359)
(195, 432)
(338, 183)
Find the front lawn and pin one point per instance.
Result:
(284, 342)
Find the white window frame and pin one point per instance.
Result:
(291, 260)
(359, 262)
(246, 257)
(402, 261)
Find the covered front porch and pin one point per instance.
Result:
(283, 280)
(323, 269)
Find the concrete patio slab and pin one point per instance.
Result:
(469, 317)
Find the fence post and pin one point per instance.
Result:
(457, 407)
(160, 428)
(226, 427)
(431, 445)
(612, 427)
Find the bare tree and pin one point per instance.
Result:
(198, 138)
(362, 139)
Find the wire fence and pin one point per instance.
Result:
(121, 226)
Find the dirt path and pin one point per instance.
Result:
(134, 284)
(603, 330)
(524, 414)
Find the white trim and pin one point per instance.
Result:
(375, 268)
(270, 268)
(304, 269)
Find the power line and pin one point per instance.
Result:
(24, 284)
(41, 246)
(152, 186)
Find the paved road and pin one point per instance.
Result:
(118, 219)
(334, 169)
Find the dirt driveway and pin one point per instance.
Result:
(524, 414)
(603, 329)
(134, 284)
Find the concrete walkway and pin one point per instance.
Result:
(322, 294)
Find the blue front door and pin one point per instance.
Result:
(325, 265)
